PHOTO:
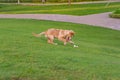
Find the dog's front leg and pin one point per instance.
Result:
(63, 40)
(71, 42)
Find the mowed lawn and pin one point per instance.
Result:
(74, 9)
(25, 57)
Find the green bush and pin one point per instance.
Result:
(117, 11)
(71, 0)
(7, 1)
(115, 14)
(14, 1)
(38, 1)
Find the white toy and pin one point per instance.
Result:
(75, 46)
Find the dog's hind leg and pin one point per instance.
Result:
(51, 39)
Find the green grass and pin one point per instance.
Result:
(115, 14)
(75, 9)
(25, 57)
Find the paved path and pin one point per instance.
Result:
(102, 19)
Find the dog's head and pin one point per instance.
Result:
(71, 33)
(69, 36)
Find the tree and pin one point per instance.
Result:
(18, 1)
(69, 2)
(43, 1)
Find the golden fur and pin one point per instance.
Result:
(62, 35)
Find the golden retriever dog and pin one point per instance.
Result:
(62, 35)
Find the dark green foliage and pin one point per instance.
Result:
(39, 1)
(115, 14)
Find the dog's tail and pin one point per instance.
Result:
(38, 35)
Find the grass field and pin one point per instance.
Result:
(24, 57)
(75, 9)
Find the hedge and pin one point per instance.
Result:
(38, 1)
(115, 14)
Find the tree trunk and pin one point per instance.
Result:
(69, 2)
(18, 1)
(43, 1)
